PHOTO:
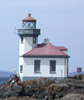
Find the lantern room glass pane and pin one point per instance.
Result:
(29, 25)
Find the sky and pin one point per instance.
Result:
(61, 21)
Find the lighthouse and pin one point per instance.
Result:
(28, 35)
(39, 60)
(28, 38)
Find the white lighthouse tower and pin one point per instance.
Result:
(28, 39)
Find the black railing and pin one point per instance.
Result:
(28, 31)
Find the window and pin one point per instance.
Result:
(52, 66)
(21, 68)
(34, 39)
(37, 66)
(23, 24)
(21, 39)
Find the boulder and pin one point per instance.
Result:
(81, 77)
(73, 97)
(11, 90)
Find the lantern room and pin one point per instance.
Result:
(29, 22)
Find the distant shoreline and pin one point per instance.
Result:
(3, 79)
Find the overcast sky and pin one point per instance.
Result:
(62, 21)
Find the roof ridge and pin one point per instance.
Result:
(57, 49)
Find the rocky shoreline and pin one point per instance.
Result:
(65, 89)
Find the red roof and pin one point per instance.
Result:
(62, 48)
(45, 50)
(29, 18)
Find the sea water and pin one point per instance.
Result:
(3, 79)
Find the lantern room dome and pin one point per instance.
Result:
(29, 18)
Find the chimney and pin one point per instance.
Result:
(46, 41)
(29, 15)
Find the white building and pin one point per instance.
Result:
(39, 60)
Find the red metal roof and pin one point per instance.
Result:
(62, 48)
(45, 50)
(29, 18)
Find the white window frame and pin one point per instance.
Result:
(52, 66)
(21, 68)
(37, 66)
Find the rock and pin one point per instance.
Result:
(11, 90)
(41, 88)
(57, 90)
(73, 97)
(81, 77)
(19, 98)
